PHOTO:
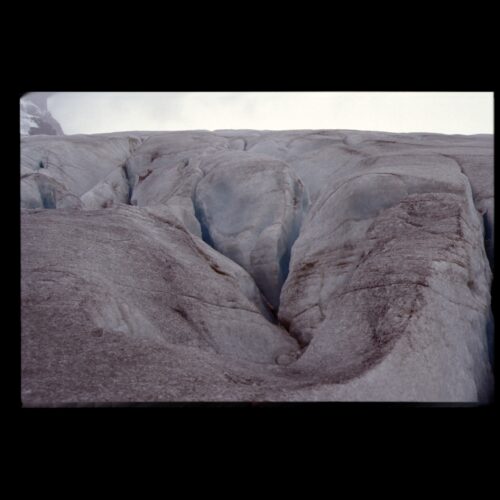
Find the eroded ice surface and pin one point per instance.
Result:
(249, 265)
(253, 215)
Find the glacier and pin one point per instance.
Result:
(35, 118)
(242, 265)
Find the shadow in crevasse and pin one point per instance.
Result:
(489, 247)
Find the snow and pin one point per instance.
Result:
(35, 120)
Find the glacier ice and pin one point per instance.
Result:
(35, 118)
(253, 215)
(256, 265)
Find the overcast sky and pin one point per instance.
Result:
(442, 112)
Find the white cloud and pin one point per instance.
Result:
(443, 112)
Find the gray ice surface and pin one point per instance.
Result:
(303, 265)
